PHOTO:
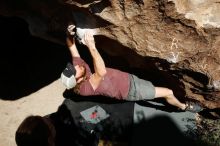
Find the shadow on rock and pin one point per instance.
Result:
(27, 63)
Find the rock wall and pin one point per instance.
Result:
(179, 38)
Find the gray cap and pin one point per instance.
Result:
(68, 76)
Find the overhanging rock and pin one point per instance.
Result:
(181, 38)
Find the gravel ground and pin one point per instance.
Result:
(42, 102)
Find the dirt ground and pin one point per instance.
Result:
(42, 102)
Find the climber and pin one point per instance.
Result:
(110, 82)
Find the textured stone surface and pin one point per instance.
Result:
(179, 38)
